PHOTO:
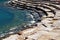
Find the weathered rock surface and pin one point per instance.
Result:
(12, 37)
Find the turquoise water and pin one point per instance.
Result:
(10, 17)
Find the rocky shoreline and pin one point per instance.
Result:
(47, 17)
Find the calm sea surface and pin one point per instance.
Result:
(10, 17)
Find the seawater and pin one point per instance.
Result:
(10, 17)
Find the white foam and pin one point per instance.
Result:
(11, 32)
(13, 28)
(32, 22)
(30, 16)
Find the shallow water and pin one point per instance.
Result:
(10, 17)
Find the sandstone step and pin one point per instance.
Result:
(55, 6)
(44, 9)
(51, 10)
(49, 7)
(50, 14)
